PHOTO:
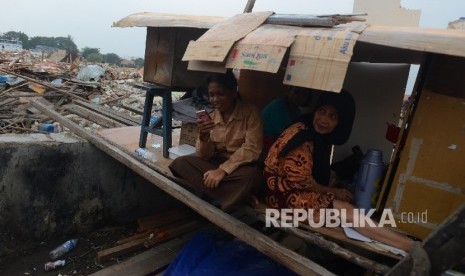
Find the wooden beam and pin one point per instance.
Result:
(249, 6)
(93, 116)
(149, 261)
(444, 247)
(44, 84)
(262, 243)
(122, 118)
(173, 231)
(328, 245)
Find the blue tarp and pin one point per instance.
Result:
(204, 255)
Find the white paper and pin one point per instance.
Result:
(353, 234)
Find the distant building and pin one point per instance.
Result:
(457, 24)
(45, 49)
(387, 13)
(7, 45)
(127, 63)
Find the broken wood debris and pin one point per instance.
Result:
(168, 228)
(29, 77)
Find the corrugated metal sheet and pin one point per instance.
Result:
(152, 19)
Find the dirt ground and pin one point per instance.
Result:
(29, 257)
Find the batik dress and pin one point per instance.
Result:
(289, 178)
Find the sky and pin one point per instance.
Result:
(89, 22)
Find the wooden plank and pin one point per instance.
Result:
(44, 84)
(448, 42)
(120, 250)
(173, 231)
(93, 116)
(444, 248)
(138, 111)
(154, 221)
(122, 118)
(328, 245)
(262, 243)
(151, 260)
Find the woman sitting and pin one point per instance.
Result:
(227, 147)
(297, 165)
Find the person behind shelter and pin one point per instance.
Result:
(278, 114)
(227, 147)
(297, 166)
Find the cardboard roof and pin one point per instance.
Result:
(215, 44)
(318, 57)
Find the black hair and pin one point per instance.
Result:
(228, 80)
(345, 106)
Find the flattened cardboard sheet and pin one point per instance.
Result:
(319, 58)
(215, 44)
(208, 66)
(263, 49)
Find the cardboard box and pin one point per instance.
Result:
(163, 52)
(189, 133)
(181, 150)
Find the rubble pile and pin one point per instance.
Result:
(84, 92)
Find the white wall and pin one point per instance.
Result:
(378, 90)
(387, 13)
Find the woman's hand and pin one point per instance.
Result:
(204, 129)
(211, 179)
(343, 194)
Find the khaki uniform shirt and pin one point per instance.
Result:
(239, 140)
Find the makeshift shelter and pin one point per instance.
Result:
(425, 171)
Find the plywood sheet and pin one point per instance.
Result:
(430, 174)
(127, 139)
(153, 19)
(441, 41)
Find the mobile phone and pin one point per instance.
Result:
(203, 115)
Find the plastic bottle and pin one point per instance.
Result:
(62, 249)
(370, 171)
(155, 122)
(54, 265)
(144, 153)
(52, 128)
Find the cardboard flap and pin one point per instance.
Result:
(215, 44)
(319, 58)
(263, 49)
(209, 66)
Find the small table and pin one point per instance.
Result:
(153, 90)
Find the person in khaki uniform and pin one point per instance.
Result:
(227, 148)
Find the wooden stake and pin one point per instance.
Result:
(249, 6)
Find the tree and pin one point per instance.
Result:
(87, 51)
(16, 36)
(112, 58)
(95, 57)
(65, 43)
(139, 62)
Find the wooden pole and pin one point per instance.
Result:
(328, 245)
(262, 243)
(249, 6)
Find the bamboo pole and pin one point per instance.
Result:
(249, 6)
